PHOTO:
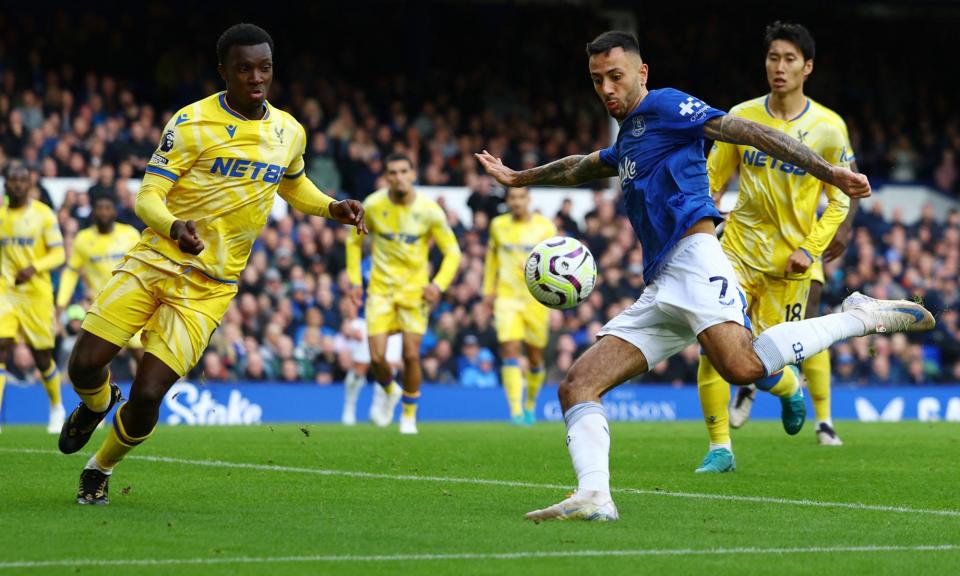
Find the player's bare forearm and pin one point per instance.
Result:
(737, 130)
(568, 171)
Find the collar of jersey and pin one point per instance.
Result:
(222, 98)
(766, 106)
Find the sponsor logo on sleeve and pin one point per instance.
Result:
(158, 159)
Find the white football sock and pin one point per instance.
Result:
(727, 445)
(352, 383)
(588, 440)
(792, 342)
(92, 464)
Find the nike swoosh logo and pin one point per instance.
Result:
(918, 315)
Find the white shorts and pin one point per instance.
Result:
(696, 289)
(360, 354)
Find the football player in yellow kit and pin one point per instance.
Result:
(95, 252)
(773, 236)
(206, 195)
(519, 318)
(30, 247)
(402, 223)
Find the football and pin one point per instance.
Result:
(560, 272)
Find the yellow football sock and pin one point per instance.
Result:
(714, 399)
(51, 383)
(513, 385)
(3, 381)
(410, 401)
(96, 399)
(117, 443)
(535, 379)
(786, 383)
(817, 371)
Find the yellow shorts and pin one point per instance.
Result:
(30, 317)
(771, 300)
(524, 320)
(816, 271)
(177, 312)
(401, 313)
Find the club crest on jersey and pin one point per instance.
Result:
(231, 129)
(639, 126)
(181, 119)
(279, 134)
(801, 135)
(166, 143)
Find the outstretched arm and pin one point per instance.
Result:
(730, 128)
(569, 171)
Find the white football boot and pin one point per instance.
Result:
(588, 505)
(55, 423)
(408, 424)
(742, 404)
(887, 316)
(827, 436)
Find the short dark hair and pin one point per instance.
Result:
(15, 164)
(396, 157)
(103, 195)
(613, 39)
(242, 34)
(796, 34)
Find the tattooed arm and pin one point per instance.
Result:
(730, 128)
(569, 171)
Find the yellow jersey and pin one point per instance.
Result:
(400, 246)
(507, 249)
(776, 211)
(29, 236)
(221, 170)
(95, 255)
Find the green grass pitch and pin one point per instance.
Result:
(333, 500)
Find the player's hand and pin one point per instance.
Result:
(25, 274)
(349, 212)
(798, 262)
(494, 167)
(356, 295)
(850, 183)
(184, 233)
(431, 293)
(838, 245)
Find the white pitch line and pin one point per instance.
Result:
(472, 556)
(516, 484)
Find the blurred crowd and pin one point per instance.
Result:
(289, 322)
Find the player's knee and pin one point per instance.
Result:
(147, 393)
(80, 366)
(411, 357)
(573, 388)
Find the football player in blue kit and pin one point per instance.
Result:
(692, 293)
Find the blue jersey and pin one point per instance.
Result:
(663, 171)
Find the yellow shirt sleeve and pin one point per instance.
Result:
(355, 253)
(447, 243)
(304, 195)
(151, 204)
(177, 152)
(490, 265)
(723, 160)
(837, 152)
(52, 237)
(69, 276)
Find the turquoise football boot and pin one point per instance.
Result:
(529, 417)
(793, 410)
(717, 461)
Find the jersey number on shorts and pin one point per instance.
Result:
(723, 289)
